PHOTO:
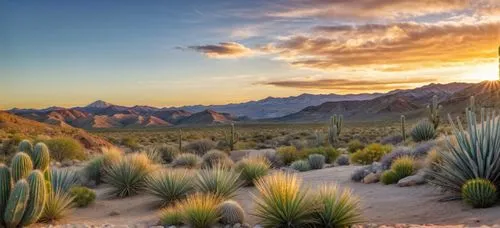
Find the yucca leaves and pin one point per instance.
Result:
(200, 210)
(170, 185)
(57, 205)
(128, 176)
(251, 169)
(219, 181)
(338, 208)
(63, 179)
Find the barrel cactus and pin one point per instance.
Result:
(41, 157)
(16, 205)
(21, 166)
(5, 186)
(231, 212)
(37, 198)
(25, 146)
(479, 193)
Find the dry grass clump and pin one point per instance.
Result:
(252, 168)
(219, 181)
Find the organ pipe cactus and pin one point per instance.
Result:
(403, 127)
(233, 138)
(21, 166)
(434, 109)
(334, 129)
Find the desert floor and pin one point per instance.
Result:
(381, 204)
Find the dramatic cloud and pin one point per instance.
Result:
(350, 85)
(223, 50)
(391, 47)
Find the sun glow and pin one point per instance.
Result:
(483, 72)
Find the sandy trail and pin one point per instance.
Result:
(381, 204)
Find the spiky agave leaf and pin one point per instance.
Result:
(170, 185)
(128, 176)
(338, 208)
(220, 181)
(63, 179)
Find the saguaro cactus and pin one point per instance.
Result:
(16, 204)
(434, 112)
(21, 166)
(37, 198)
(334, 129)
(233, 138)
(403, 127)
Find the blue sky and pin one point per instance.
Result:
(166, 53)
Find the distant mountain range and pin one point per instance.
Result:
(302, 108)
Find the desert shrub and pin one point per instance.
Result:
(199, 147)
(170, 185)
(479, 193)
(282, 203)
(359, 174)
(432, 160)
(274, 159)
(171, 216)
(423, 131)
(330, 153)
(396, 153)
(131, 142)
(316, 161)
(252, 168)
(219, 181)
(216, 157)
(392, 139)
(63, 179)
(82, 196)
(153, 155)
(421, 149)
(65, 148)
(403, 167)
(57, 205)
(128, 176)
(338, 208)
(301, 165)
(10, 146)
(167, 152)
(355, 145)
(389, 177)
(370, 154)
(342, 160)
(288, 154)
(94, 169)
(186, 160)
(200, 210)
(231, 213)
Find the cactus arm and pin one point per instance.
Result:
(16, 204)
(21, 166)
(26, 147)
(37, 198)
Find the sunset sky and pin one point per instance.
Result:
(172, 53)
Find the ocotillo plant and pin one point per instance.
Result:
(334, 129)
(434, 109)
(233, 138)
(403, 127)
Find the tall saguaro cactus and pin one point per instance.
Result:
(403, 127)
(334, 129)
(232, 138)
(434, 112)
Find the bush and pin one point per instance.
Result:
(301, 165)
(370, 154)
(288, 154)
(219, 181)
(94, 170)
(389, 177)
(479, 193)
(128, 176)
(338, 208)
(186, 160)
(282, 203)
(316, 161)
(398, 152)
(403, 167)
(82, 196)
(131, 142)
(171, 216)
(57, 206)
(251, 169)
(343, 160)
(330, 153)
(167, 153)
(423, 131)
(65, 148)
(354, 146)
(200, 147)
(231, 213)
(200, 210)
(170, 185)
(214, 158)
(392, 139)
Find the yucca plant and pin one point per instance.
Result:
(219, 181)
(214, 158)
(338, 208)
(231, 213)
(252, 168)
(128, 176)
(95, 168)
(282, 203)
(171, 216)
(63, 179)
(316, 161)
(479, 193)
(57, 205)
(186, 160)
(200, 210)
(472, 153)
(403, 166)
(301, 165)
(170, 185)
(423, 131)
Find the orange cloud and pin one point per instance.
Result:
(223, 50)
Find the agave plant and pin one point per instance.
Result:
(170, 185)
(63, 179)
(338, 208)
(423, 131)
(219, 181)
(128, 176)
(200, 210)
(474, 154)
(253, 168)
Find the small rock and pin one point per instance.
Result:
(411, 181)
(114, 213)
(237, 225)
(371, 178)
(377, 167)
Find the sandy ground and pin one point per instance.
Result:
(381, 204)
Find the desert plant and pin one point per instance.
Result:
(301, 165)
(40, 157)
(231, 213)
(423, 131)
(36, 198)
(288, 154)
(355, 145)
(127, 176)
(334, 129)
(57, 205)
(396, 153)
(21, 166)
(342, 160)
(200, 210)
(403, 167)
(316, 161)
(338, 208)
(403, 127)
(168, 153)
(82, 196)
(131, 142)
(479, 193)
(16, 205)
(186, 160)
(329, 152)
(199, 147)
(62, 148)
(252, 168)
(219, 181)
(63, 179)
(25, 146)
(170, 185)
(171, 216)
(392, 139)
(232, 138)
(370, 154)
(216, 157)
(282, 203)
(5, 187)
(93, 169)
(434, 109)
(389, 177)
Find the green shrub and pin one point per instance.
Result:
(131, 142)
(82, 196)
(389, 177)
(199, 147)
(251, 169)
(338, 208)
(370, 154)
(200, 210)
(57, 206)
(168, 153)
(316, 161)
(231, 213)
(330, 153)
(186, 160)
(355, 145)
(288, 154)
(63, 148)
(282, 203)
(342, 160)
(479, 193)
(95, 168)
(403, 166)
(423, 131)
(219, 181)
(128, 176)
(301, 165)
(214, 158)
(171, 216)
(170, 185)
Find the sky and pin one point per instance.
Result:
(174, 53)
